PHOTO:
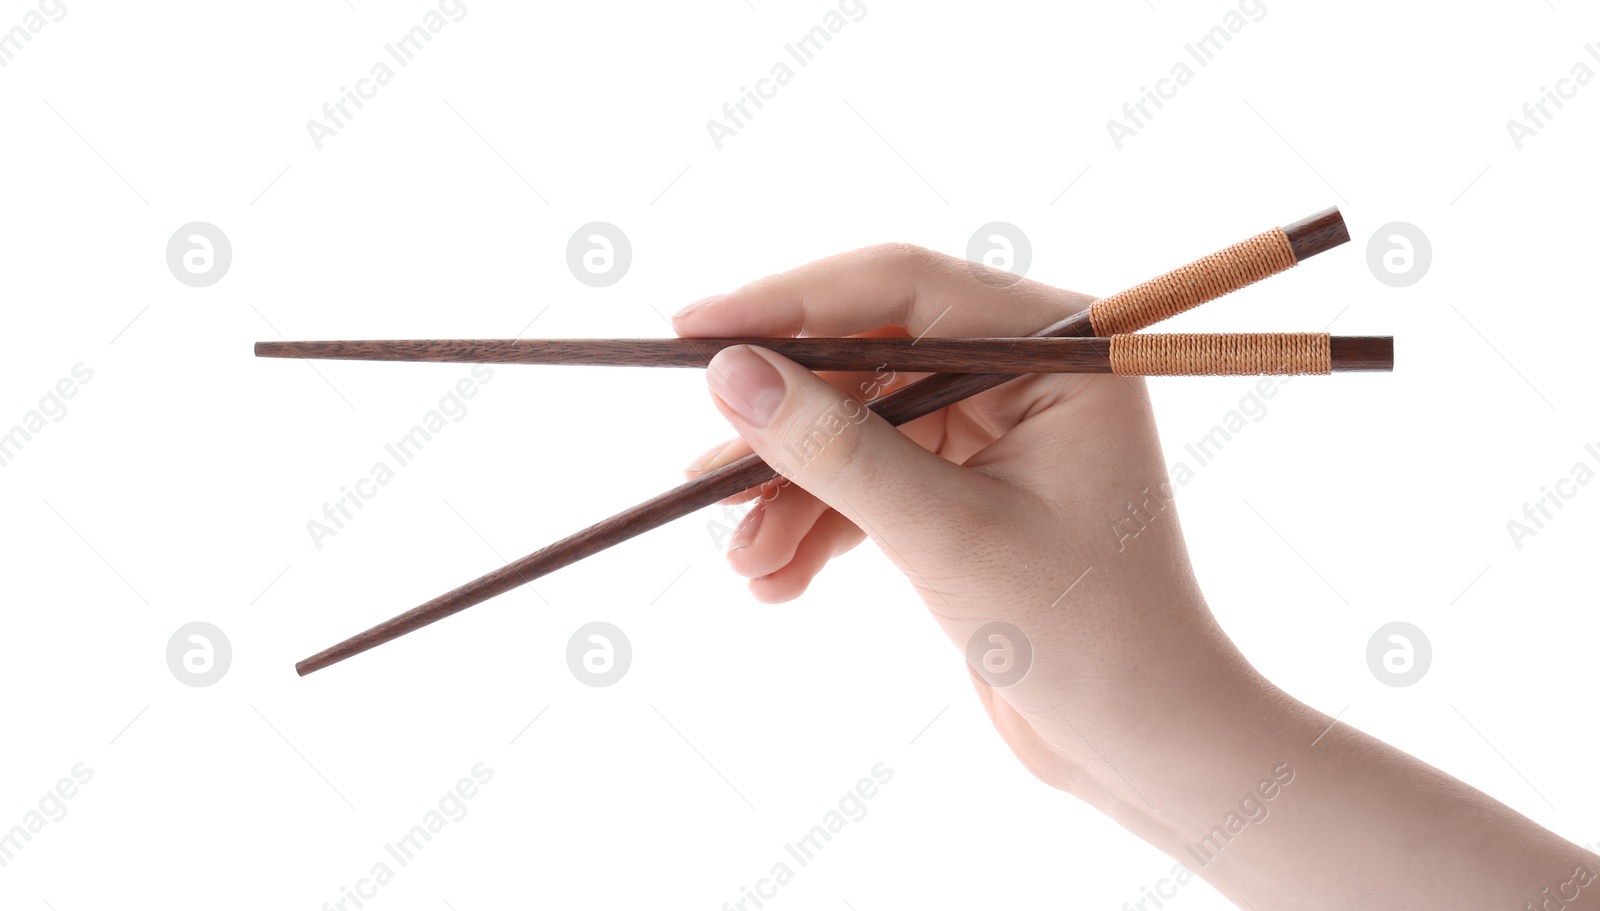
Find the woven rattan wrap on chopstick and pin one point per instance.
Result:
(1209, 277)
(1188, 354)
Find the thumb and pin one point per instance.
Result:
(920, 508)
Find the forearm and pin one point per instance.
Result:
(1277, 806)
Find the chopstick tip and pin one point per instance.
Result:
(313, 664)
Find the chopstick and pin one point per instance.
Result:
(1214, 354)
(1143, 305)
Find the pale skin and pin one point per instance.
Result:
(996, 508)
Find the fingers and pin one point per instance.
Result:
(717, 456)
(787, 522)
(887, 285)
(831, 536)
(912, 501)
(890, 290)
(772, 532)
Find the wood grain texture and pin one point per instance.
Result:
(925, 396)
(1353, 353)
(1317, 234)
(928, 355)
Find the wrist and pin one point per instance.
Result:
(1161, 751)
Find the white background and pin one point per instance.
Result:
(179, 484)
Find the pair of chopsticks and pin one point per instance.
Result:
(1102, 339)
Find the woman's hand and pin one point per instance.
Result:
(1036, 517)
(1041, 504)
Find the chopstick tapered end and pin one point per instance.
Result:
(333, 654)
(274, 349)
(316, 662)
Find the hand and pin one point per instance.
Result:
(1011, 506)
(1043, 504)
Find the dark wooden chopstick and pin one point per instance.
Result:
(1205, 279)
(926, 355)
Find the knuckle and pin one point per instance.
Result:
(899, 255)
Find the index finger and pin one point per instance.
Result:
(918, 290)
